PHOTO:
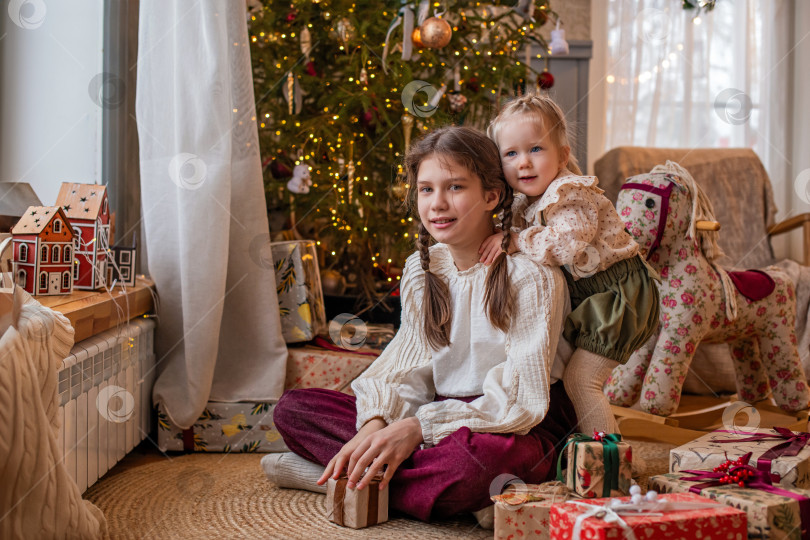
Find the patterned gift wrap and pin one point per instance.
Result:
(720, 523)
(524, 512)
(224, 427)
(770, 515)
(315, 367)
(356, 508)
(707, 452)
(586, 474)
(298, 284)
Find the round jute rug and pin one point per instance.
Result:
(222, 496)
(228, 496)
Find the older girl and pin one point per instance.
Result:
(468, 390)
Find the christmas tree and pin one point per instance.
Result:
(342, 87)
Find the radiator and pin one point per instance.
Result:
(105, 396)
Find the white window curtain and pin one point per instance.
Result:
(718, 80)
(219, 333)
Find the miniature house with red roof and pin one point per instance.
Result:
(87, 209)
(43, 251)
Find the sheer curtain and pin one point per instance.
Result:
(717, 80)
(219, 333)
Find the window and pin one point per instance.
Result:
(65, 280)
(21, 278)
(66, 255)
(125, 257)
(23, 252)
(43, 281)
(57, 225)
(77, 239)
(75, 270)
(55, 254)
(43, 254)
(124, 274)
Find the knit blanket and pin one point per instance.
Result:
(38, 498)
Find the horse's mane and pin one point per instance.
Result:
(702, 208)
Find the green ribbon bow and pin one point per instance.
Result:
(610, 457)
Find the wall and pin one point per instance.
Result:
(50, 127)
(800, 155)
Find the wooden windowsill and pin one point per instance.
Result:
(92, 312)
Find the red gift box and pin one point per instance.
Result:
(718, 522)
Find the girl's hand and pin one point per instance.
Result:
(337, 463)
(390, 446)
(490, 248)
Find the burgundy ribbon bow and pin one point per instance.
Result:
(794, 442)
(757, 479)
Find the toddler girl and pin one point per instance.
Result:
(563, 219)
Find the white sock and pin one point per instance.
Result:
(289, 470)
(486, 517)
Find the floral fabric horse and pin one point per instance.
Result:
(753, 311)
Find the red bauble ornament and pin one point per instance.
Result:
(472, 84)
(292, 15)
(369, 119)
(545, 80)
(279, 170)
(310, 69)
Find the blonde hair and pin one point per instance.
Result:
(541, 109)
(479, 155)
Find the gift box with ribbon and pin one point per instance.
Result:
(598, 466)
(676, 516)
(522, 511)
(774, 512)
(782, 453)
(356, 508)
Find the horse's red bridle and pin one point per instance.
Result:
(664, 193)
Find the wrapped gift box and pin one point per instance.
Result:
(248, 427)
(524, 512)
(224, 427)
(770, 515)
(705, 453)
(298, 284)
(586, 468)
(356, 508)
(315, 367)
(720, 522)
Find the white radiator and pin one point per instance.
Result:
(105, 393)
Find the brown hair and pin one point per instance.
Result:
(479, 155)
(541, 109)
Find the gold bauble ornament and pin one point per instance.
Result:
(333, 282)
(435, 33)
(416, 38)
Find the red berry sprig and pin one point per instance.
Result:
(598, 435)
(735, 471)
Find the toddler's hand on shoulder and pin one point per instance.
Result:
(490, 248)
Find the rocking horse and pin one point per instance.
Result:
(672, 220)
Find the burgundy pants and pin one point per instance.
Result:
(450, 478)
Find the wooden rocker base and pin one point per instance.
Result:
(698, 415)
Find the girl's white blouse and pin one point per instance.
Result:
(511, 371)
